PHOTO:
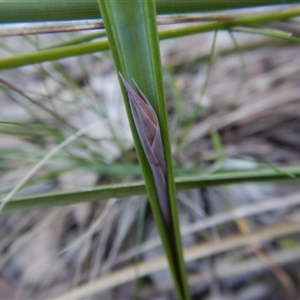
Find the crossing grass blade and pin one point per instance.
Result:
(57, 10)
(103, 45)
(101, 193)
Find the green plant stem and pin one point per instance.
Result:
(92, 47)
(57, 10)
(101, 193)
(132, 33)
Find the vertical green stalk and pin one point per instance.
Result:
(132, 33)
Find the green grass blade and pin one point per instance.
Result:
(92, 47)
(57, 10)
(132, 32)
(217, 145)
(52, 54)
(138, 188)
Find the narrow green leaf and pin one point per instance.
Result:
(273, 33)
(100, 193)
(87, 48)
(217, 144)
(138, 188)
(57, 10)
(132, 33)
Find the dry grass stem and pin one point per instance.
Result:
(221, 218)
(195, 252)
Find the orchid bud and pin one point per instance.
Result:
(147, 126)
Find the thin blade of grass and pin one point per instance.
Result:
(54, 10)
(92, 47)
(132, 32)
(101, 193)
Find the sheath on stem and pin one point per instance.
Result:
(147, 126)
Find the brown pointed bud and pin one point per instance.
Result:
(147, 126)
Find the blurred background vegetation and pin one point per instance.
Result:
(233, 104)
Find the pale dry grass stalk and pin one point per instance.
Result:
(44, 160)
(221, 218)
(199, 251)
(282, 276)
